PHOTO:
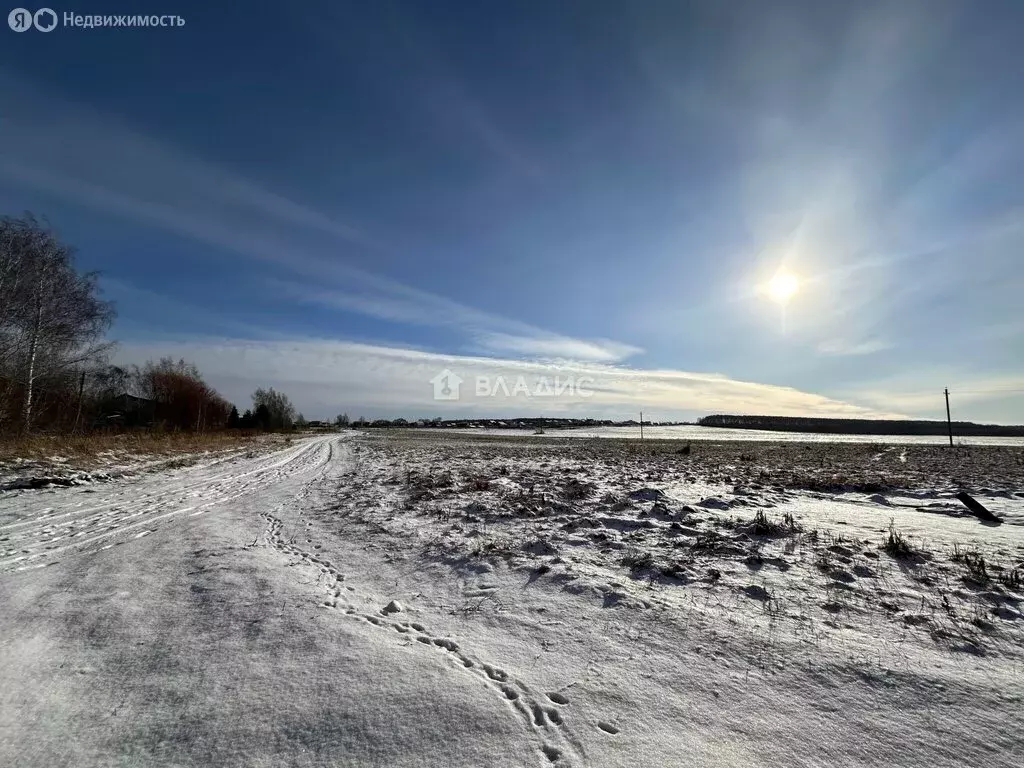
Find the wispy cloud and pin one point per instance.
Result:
(443, 98)
(324, 377)
(985, 396)
(78, 155)
(848, 182)
(550, 346)
(413, 307)
(848, 347)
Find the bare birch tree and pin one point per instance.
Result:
(279, 409)
(51, 318)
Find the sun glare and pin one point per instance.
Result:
(782, 287)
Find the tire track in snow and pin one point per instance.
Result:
(543, 715)
(51, 514)
(41, 541)
(172, 488)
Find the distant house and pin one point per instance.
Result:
(128, 410)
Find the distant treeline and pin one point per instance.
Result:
(860, 426)
(55, 375)
(537, 422)
(533, 422)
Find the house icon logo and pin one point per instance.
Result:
(446, 385)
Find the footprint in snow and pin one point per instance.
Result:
(543, 715)
(551, 753)
(494, 673)
(756, 592)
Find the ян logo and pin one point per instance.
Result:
(45, 20)
(22, 20)
(19, 20)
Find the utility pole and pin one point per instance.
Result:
(641, 425)
(949, 420)
(78, 412)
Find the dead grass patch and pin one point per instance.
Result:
(83, 451)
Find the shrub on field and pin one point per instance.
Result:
(764, 526)
(497, 545)
(1011, 579)
(897, 546)
(478, 484)
(422, 487)
(638, 561)
(973, 561)
(575, 490)
(439, 480)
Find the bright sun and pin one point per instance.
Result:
(782, 287)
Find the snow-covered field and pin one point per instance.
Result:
(693, 432)
(444, 600)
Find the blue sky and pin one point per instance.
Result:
(344, 198)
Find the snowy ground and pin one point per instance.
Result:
(693, 432)
(123, 457)
(449, 601)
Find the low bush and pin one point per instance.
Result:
(638, 561)
(897, 546)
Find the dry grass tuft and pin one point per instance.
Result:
(88, 450)
(898, 547)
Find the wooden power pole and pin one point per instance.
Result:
(78, 410)
(949, 420)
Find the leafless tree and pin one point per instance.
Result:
(279, 409)
(182, 399)
(51, 318)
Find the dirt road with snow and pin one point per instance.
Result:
(305, 608)
(141, 628)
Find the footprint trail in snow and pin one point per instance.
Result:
(543, 715)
